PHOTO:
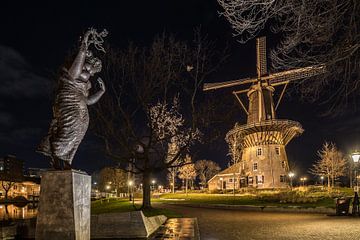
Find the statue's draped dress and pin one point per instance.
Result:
(70, 119)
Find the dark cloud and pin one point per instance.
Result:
(6, 119)
(21, 136)
(17, 78)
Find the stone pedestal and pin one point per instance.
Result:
(64, 207)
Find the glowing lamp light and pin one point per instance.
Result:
(291, 174)
(355, 156)
(107, 187)
(130, 183)
(153, 181)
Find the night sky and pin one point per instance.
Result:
(35, 41)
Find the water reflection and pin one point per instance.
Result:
(18, 211)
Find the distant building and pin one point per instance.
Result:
(35, 172)
(11, 168)
(12, 174)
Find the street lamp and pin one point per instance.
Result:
(355, 157)
(303, 179)
(130, 184)
(322, 181)
(153, 184)
(291, 175)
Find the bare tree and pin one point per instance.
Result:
(7, 185)
(173, 171)
(312, 32)
(114, 178)
(235, 151)
(187, 172)
(331, 163)
(206, 169)
(140, 114)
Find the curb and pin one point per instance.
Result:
(292, 209)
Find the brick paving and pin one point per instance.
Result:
(218, 224)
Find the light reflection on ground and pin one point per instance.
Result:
(12, 211)
(178, 228)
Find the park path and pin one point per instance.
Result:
(219, 224)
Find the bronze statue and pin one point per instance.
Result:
(70, 114)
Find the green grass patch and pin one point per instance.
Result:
(113, 205)
(269, 199)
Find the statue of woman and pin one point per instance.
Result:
(70, 114)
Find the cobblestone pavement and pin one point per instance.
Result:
(216, 224)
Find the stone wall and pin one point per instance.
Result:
(271, 163)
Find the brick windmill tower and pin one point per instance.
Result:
(260, 143)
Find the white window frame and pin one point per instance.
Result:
(283, 164)
(283, 177)
(259, 151)
(277, 150)
(259, 179)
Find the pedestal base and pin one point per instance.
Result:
(64, 207)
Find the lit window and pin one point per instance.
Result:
(283, 165)
(250, 180)
(255, 167)
(259, 179)
(277, 150)
(259, 152)
(282, 178)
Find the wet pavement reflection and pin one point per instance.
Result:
(178, 229)
(20, 211)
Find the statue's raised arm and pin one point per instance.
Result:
(70, 114)
(90, 37)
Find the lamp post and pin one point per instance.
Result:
(303, 179)
(355, 157)
(130, 184)
(291, 175)
(322, 181)
(153, 184)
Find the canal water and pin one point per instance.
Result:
(18, 211)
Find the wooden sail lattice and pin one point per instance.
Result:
(273, 79)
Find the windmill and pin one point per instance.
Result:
(263, 138)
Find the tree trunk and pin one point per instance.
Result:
(173, 182)
(6, 193)
(186, 185)
(146, 191)
(328, 181)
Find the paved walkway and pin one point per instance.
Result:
(178, 229)
(218, 224)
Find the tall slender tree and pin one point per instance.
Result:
(187, 172)
(331, 163)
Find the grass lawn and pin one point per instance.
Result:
(124, 205)
(244, 199)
